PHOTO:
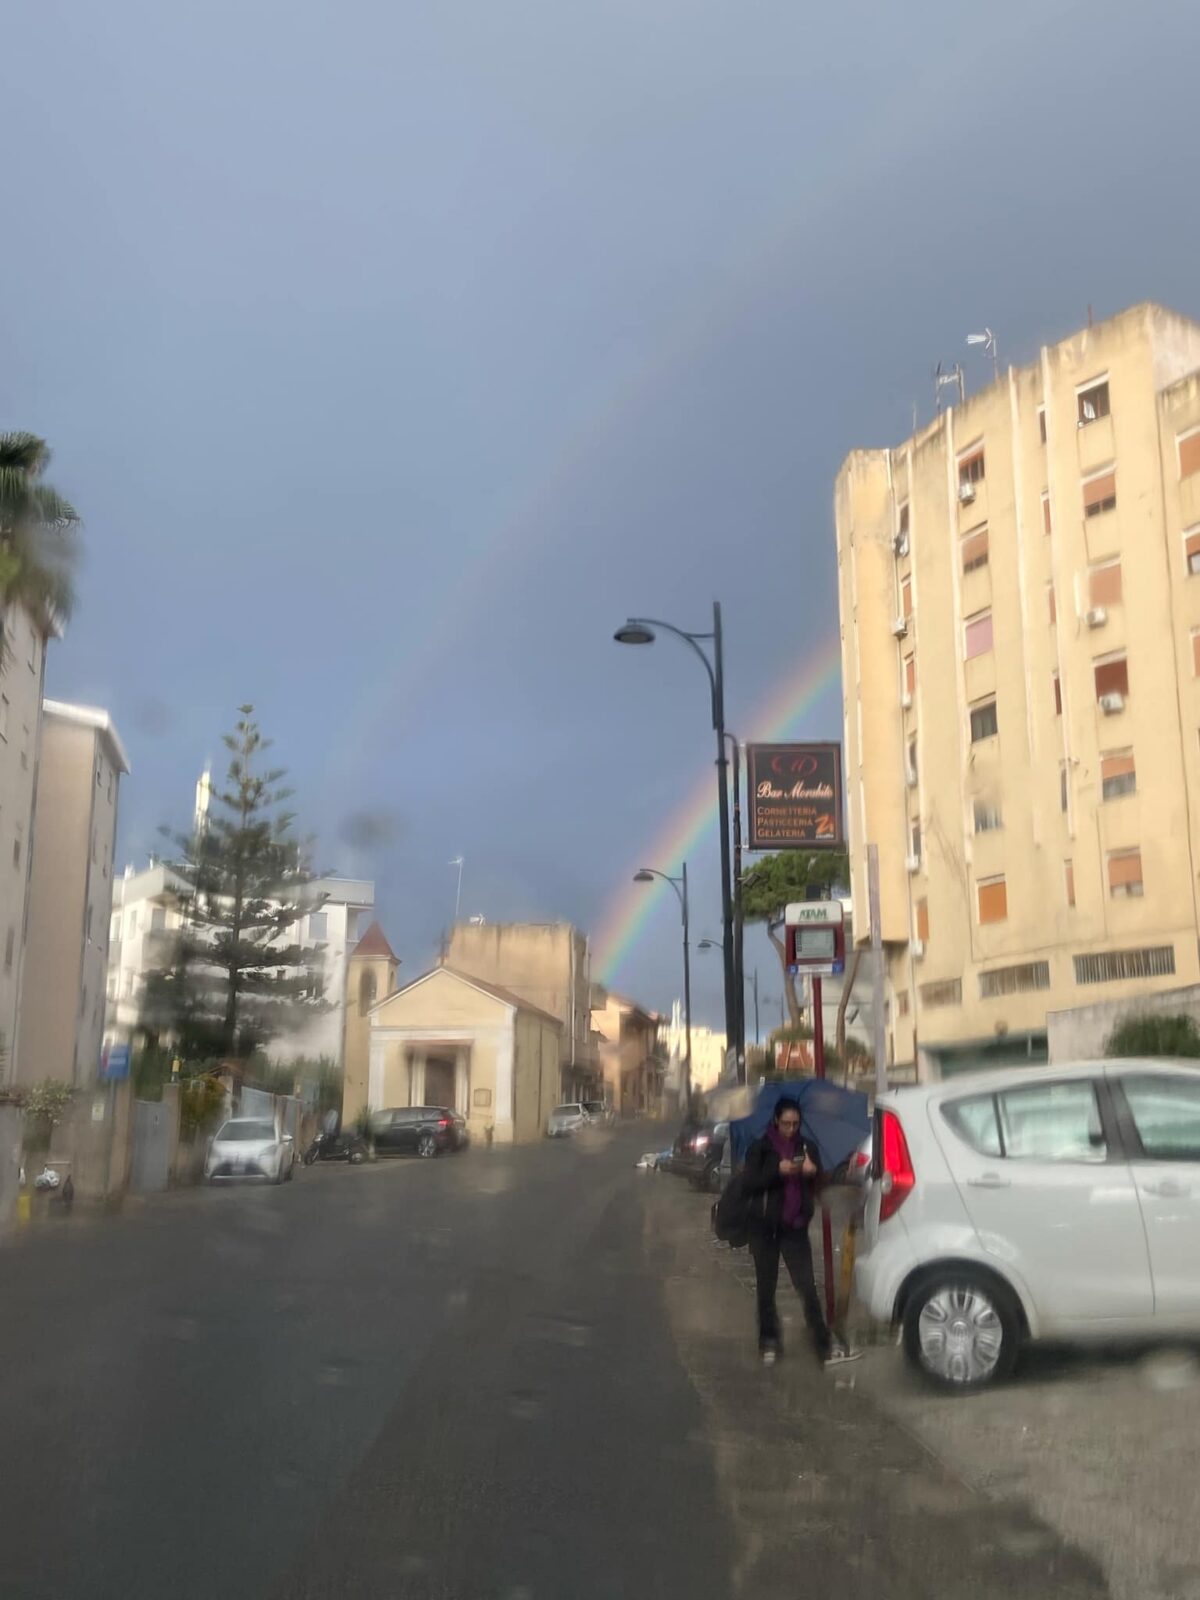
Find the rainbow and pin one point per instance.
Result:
(630, 909)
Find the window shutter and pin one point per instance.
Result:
(1189, 455)
(1124, 869)
(1097, 490)
(993, 901)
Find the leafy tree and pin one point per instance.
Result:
(1150, 1035)
(38, 535)
(237, 978)
(773, 882)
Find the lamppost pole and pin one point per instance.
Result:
(739, 940)
(640, 630)
(680, 886)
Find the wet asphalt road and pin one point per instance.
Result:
(520, 1374)
(417, 1378)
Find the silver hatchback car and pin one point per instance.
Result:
(565, 1120)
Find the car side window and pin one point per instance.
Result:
(974, 1121)
(1166, 1113)
(1052, 1122)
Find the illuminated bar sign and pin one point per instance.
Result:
(795, 796)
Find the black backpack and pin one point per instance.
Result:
(731, 1214)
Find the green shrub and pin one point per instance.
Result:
(201, 1102)
(1149, 1035)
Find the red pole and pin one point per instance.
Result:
(826, 1224)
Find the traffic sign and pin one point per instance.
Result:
(817, 969)
(114, 1062)
(822, 913)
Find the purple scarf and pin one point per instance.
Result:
(793, 1188)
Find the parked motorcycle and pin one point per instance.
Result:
(332, 1144)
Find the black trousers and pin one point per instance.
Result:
(793, 1245)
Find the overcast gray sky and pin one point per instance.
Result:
(394, 353)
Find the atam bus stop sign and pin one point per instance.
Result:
(816, 938)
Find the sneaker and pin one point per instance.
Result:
(839, 1358)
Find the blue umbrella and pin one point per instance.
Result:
(836, 1120)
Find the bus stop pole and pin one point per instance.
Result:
(826, 1223)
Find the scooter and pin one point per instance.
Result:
(332, 1145)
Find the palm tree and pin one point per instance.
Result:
(39, 536)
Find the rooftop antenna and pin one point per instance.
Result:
(457, 861)
(942, 379)
(988, 340)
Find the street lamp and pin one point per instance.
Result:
(641, 630)
(648, 875)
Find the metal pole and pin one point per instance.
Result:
(723, 815)
(739, 940)
(881, 1082)
(458, 862)
(687, 1001)
(826, 1224)
(757, 1029)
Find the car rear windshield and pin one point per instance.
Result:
(593, 1105)
(567, 1111)
(246, 1132)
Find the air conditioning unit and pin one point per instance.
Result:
(900, 628)
(1096, 617)
(1110, 704)
(918, 949)
(966, 492)
(906, 702)
(912, 863)
(900, 544)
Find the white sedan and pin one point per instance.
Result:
(250, 1147)
(1034, 1203)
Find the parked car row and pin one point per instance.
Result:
(698, 1154)
(255, 1147)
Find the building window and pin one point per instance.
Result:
(971, 467)
(1125, 874)
(1115, 966)
(1069, 881)
(1100, 493)
(114, 928)
(1051, 605)
(16, 852)
(10, 940)
(1196, 652)
(131, 925)
(1046, 511)
(1093, 403)
(902, 1002)
(911, 758)
(1063, 788)
(3, 716)
(158, 918)
(910, 675)
(983, 720)
(1057, 695)
(1014, 980)
(1042, 423)
(947, 992)
(906, 597)
(902, 519)
(975, 550)
(1189, 454)
(992, 894)
(922, 909)
(1104, 584)
(914, 838)
(1112, 675)
(366, 993)
(977, 635)
(987, 817)
(1191, 548)
(1117, 775)
(318, 926)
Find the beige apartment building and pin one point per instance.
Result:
(1019, 587)
(630, 1061)
(70, 895)
(546, 964)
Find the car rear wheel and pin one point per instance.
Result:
(962, 1330)
(427, 1145)
(356, 1157)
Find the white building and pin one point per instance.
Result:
(146, 919)
(21, 679)
(70, 894)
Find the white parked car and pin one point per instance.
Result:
(598, 1112)
(1047, 1203)
(565, 1120)
(250, 1147)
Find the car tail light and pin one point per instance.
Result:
(897, 1177)
(443, 1122)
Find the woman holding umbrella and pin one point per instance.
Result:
(784, 1167)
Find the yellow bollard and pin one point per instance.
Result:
(24, 1207)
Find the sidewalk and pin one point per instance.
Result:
(825, 1490)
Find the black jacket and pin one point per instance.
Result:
(760, 1176)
